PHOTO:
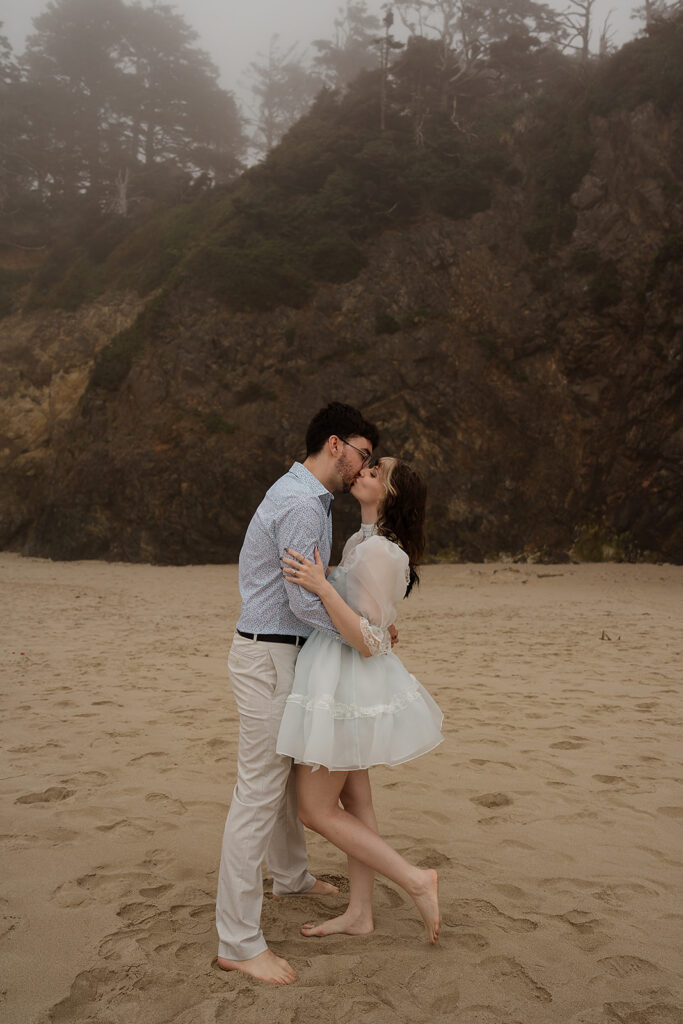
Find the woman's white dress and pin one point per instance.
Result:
(346, 711)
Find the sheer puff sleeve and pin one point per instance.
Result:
(377, 577)
(350, 546)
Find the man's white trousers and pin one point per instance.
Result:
(262, 821)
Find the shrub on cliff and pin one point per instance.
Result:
(255, 276)
(114, 361)
(647, 70)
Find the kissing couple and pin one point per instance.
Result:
(320, 694)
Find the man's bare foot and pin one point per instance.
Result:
(319, 888)
(426, 896)
(264, 967)
(346, 924)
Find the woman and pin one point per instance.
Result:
(354, 705)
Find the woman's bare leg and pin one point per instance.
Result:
(318, 797)
(357, 919)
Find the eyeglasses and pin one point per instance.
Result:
(367, 456)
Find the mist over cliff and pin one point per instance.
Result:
(496, 282)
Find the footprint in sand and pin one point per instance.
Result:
(153, 891)
(581, 921)
(15, 841)
(137, 913)
(671, 812)
(72, 894)
(492, 800)
(48, 796)
(192, 952)
(472, 942)
(158, 757)
(124, 946)
(587, 932)
(513, 892)
(433, 859)
(156, 860)
(86, 994)
(662, 858)
(125, 827)
(514, 979)
(219, 745)
(433, 990)
(481, 761)
(627, 966)
(622, 892)
(92, 887)
(94, 777)
(166, 803)
(467, 913)
(654, 1013)
(50, 836)
(193, 919)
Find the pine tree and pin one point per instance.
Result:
(125, 88)
(354, 48)
(284, 89)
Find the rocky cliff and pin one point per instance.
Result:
(539, 394)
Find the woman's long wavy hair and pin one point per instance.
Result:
(402, 513)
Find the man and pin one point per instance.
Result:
(276, 618)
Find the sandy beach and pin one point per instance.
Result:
(553, 811)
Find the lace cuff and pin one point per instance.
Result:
(377, 640)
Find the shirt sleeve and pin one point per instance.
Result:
(301, 527)
(376, 581)
(352, 542)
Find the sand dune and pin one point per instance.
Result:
(552, 811)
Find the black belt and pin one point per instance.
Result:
(275, 638)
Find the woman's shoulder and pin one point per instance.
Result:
(378, 540)
(350, 546)
(358, 535)
(381, 547)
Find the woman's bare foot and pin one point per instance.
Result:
(426, 897)
(345, 924)
(264, 967)
(319, 888)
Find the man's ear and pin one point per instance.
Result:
(334, 445)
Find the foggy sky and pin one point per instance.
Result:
(234, 31)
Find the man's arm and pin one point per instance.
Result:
(302, 527)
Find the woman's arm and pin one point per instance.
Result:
(311, 576)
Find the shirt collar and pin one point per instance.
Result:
(312, 483)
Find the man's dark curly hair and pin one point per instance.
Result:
(402, 513)
(342, 420)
